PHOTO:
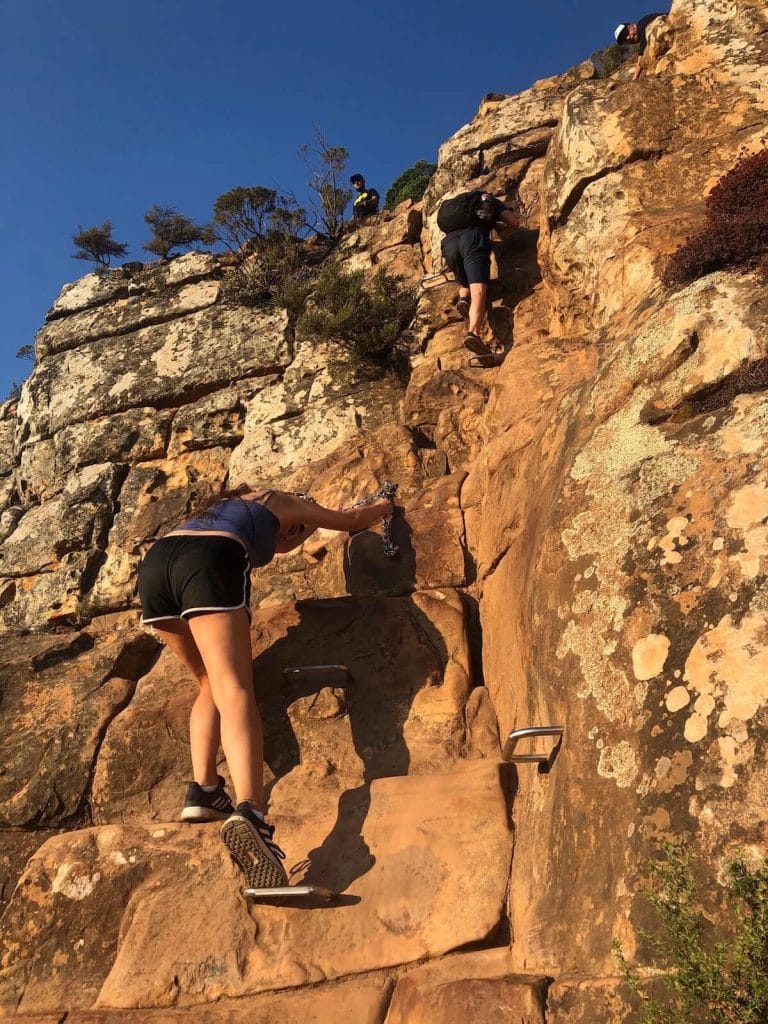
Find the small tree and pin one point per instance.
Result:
(26, 352)
(412, 184)
(609, 59)
(171, 230)
(326, 164)
(707, 981)
(244, 215)
(367, 315)
(97, 244)
(736, 231)
(14, 394)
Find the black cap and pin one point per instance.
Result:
(356, 177)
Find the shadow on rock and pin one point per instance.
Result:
(390, 650)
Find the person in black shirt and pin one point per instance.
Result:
(634, 33)
(367, 201)
(467, 251)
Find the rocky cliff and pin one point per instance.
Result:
(584, 542)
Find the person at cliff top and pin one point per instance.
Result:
(467, 221)
(194, 587)
(634, 33)
(367, 201)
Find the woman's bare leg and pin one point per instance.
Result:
(224, 642)
(204, 730)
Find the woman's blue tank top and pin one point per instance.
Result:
(249, 521)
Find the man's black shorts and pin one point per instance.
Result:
(468, 254)
(183, 575)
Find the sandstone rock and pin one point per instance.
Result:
(16, 847)
(477, 987)
(58, 699)
(7, 431)
(124, 316)
(218, 420)
(96, 289)
(92, 290)
(401, 710)
(184, 901)
(389, 242)
(321, 404)
(154, 497)
(78, 520)
(361, 1000)
(582, 1001)
(156, 365)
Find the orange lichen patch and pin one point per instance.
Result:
(748, 507)
(723, 346)
(695, 728)
(688, 600)
(676, 773)
(658, 823)
(675, 535)
(649, 656)
(756, 544)
(678, 699)
(729, 665)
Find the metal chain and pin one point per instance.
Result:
(387, 490)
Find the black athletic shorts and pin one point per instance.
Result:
(182, 575)
(468, 254)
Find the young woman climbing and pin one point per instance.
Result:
(194, 587)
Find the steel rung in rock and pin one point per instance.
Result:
(516, 735)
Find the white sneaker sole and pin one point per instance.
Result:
(203, 814)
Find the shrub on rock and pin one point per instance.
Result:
(412, 184)
(171, 230)
(370, 319)
(97, 244)
(736, 233)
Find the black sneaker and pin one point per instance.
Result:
(249, 841)
(202, 806)
(462, 308)
(476, 344)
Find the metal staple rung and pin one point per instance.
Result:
(518, 734)
(314, 668)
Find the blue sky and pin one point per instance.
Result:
(109, 108)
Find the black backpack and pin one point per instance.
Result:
(459, 213)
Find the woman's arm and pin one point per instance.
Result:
(292, 511)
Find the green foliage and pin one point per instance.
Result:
(412, 184)
(97, 244)
(242, 216)
(14, 393)
(736, 232)
(708, 982)
(276, 274)
(610, 59)
(370, 320)
(171, 230)
(26, 352)
(326, 165)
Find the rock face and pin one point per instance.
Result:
(583, 542)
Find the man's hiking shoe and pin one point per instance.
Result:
(462, 308)
(249, 841)
(476, 344)
(486, 362)
(202, 806)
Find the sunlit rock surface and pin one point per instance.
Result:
(583, 542)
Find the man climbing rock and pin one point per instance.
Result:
(367, 201)
(467, 221)
(635, 33)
